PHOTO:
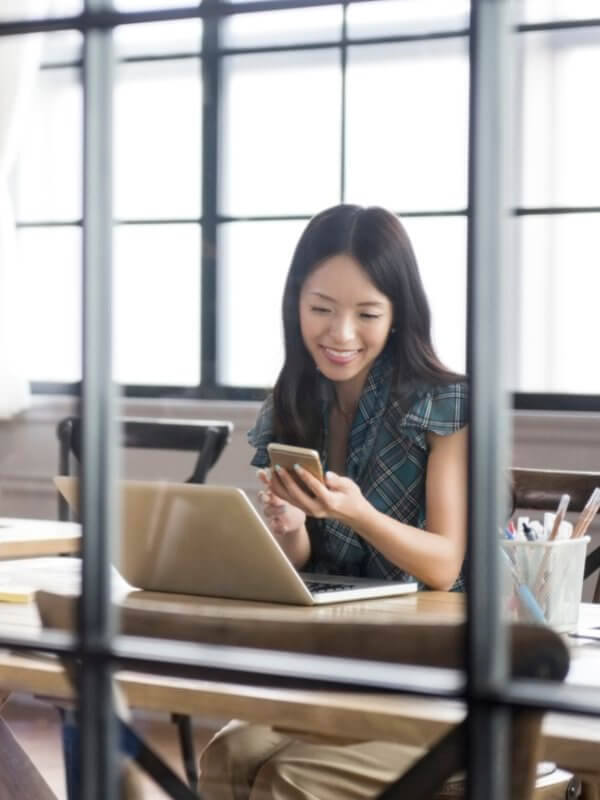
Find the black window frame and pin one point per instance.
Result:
(210, 55)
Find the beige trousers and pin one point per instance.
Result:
(253, 762)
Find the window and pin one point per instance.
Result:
(308, 107)
(172, 246)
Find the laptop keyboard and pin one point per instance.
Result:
(317, 586)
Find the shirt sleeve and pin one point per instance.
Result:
(442, 410)
(262, 433)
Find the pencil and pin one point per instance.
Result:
(587, 515)
(560, 515)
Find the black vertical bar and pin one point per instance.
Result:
(98, 730)
(344, 68)
(210, 122)
(487, 265)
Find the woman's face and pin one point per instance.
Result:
(345, 320)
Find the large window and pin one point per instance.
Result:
(308, 107)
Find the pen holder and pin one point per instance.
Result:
(544, 581)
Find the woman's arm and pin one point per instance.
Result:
(434, 555)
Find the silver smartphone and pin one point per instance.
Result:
(286, 455)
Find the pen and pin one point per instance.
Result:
(524, 593)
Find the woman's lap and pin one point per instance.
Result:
(253, 762)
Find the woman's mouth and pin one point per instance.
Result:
(339, 356)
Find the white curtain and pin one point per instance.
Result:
(19, 63)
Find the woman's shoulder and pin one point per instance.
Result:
(441, 408)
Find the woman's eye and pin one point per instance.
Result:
(320, 309)
(365, 315)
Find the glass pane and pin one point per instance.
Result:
(157, 305)
(255, 257)
(559, 290)
(545, 10)
(159, 38)
(440, 246)
(404, 17)
(561, 121)
(299, 25)
(36, 9)
(48, 175)
(50, 261)
(158, 116)
(400, 98)
(62, 47)
(281, 133)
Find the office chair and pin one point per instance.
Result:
(536, 651)
(207, 437)
(541, 489)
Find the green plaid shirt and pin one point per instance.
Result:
(387, 457)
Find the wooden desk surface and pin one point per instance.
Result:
(26, 538)
(571, 741)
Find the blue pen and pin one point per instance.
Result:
(524, 593)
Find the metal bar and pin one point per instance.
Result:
(344, 71)
(559, 25)
(210, 155)
(398, 38)
(555, 210)
(257, 667)
(96, 624)
(109, 19)
(486, 264)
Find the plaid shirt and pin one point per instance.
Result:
(387, 457)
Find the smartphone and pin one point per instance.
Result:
(286, 455)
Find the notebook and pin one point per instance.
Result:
(201, 539)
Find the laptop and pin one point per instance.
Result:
(201, 539)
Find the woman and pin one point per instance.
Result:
(362, 384)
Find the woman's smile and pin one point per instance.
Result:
(340, 356)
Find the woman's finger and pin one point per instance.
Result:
(282, 486)
(297, 495)
(272, 511)
(316, 486)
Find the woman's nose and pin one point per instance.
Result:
(342, 328)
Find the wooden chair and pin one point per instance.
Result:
(540, 489)
(536, 652)
(206, 437)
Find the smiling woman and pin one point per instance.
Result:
(362, 385)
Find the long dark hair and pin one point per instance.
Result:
(376, 239)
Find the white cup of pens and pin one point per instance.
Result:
(544, 565)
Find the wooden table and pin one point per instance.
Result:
(572, 741)
(27, 538)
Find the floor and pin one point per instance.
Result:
(36, 726)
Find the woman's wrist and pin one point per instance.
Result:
(296, 545)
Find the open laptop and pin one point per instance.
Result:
(209, 540)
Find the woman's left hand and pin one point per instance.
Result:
(339, 498)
